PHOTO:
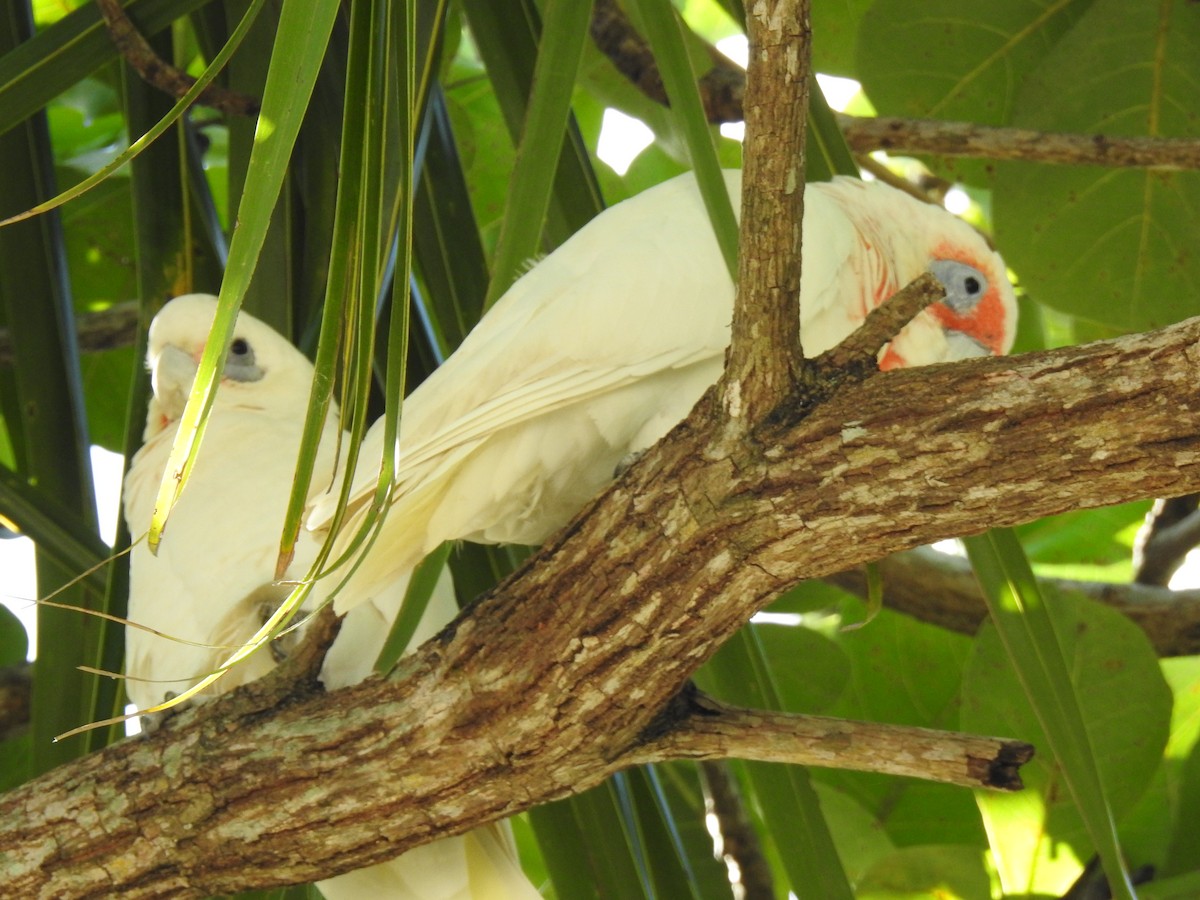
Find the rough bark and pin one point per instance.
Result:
(764, 357)
(562, 675)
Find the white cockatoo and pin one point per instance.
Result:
(212, 581)
(607, 343)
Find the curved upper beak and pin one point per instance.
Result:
(172, 372)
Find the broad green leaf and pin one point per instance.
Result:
(1113, 246)
(1126, 708)
(860, 842)
(956, 59)
(813, 687)
(906, 672)
(1092, 544)
(835, 29)
(1183, 887)
(484, 146)
(1160, 830)
(934, 870)
(903, 671)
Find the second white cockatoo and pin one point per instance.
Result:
(607, 343)
(212, 582)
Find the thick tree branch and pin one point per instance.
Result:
(943, 591)
(764, 359)
(551, 683)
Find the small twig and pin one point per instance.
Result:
(882, 324)
(942, 590)
(1172, 529)
(967, 139)
(698, 726)
(108, 329)
(159, 73)
(734, 840)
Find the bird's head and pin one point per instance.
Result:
(978, 316)
(262, 369)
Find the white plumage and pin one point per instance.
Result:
(610, 341)
(592, 355)
(212, 579)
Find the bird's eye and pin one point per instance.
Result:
(240, 364)
(965, 285)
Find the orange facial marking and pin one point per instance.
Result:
(986, 322)
(891, 360)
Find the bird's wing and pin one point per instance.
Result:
(594, 322)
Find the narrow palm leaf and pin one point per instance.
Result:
(1027, 632)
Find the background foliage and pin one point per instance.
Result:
(1096, 252)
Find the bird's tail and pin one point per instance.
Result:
(479, 865)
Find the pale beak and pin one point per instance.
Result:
(964, 345)
(172, 372)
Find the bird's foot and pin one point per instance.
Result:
(627, 461)
(285, 645)
(151, 722)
